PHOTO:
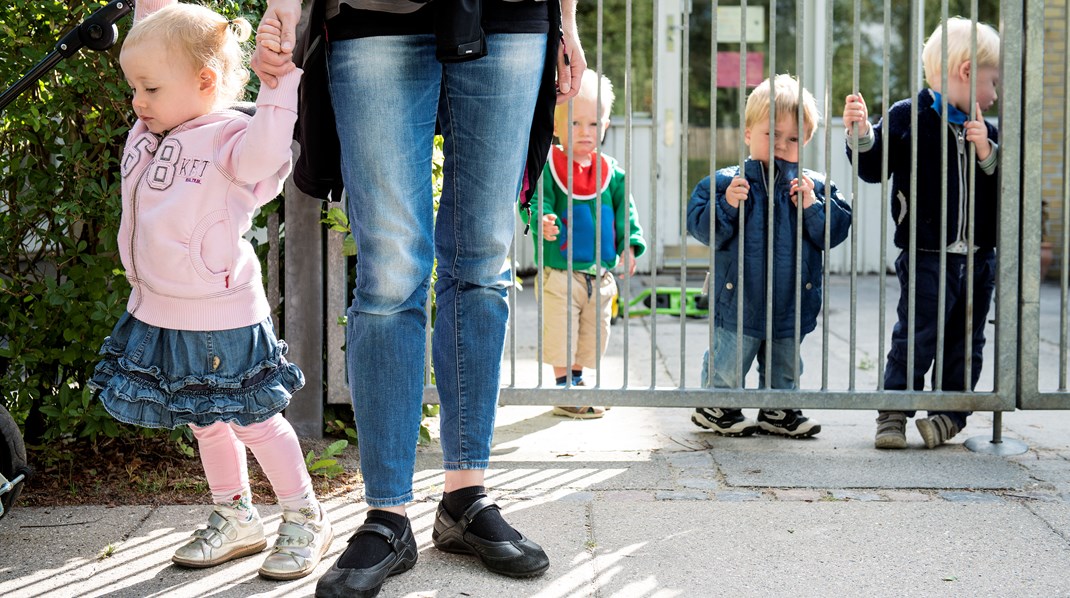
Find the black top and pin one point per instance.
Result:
(527, 16)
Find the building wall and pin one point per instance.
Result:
(1055, 99)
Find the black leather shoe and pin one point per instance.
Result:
(515, 558)
(338, 582)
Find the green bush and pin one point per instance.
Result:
(62, 286)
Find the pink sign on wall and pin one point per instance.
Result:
(728, 69)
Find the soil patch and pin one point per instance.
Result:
(154, 472)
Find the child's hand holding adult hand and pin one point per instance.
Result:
(855, 111)
(977, 134)
(737, 191)
(269, 35)
(549, 227)
(804, 187)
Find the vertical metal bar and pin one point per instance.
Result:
(882, 292)
(1064, 275)
(654, 196)
(770, 205)
(570, 206)
(598, 206)
(711, 298)
(512, 308)
(855, 132)
(971, 152)
(941, 293)
(539, 274)
(800, 126)
(624, 291)
(741, 223)
(1021, 107)
(912, 259)
(827, 111)
(685, 90)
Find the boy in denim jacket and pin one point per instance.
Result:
(748, 191)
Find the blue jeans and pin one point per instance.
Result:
(926, 286)
(387, 94)
(782, 374)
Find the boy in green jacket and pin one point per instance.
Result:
(593, 285)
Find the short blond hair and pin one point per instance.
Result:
(589, 88)
(205, 38)
(787, 104)
(959, 35)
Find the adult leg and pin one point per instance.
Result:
(384, 91)
(487, 105)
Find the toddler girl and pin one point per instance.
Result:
(196, 345)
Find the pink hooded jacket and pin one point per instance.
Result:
(188, 199)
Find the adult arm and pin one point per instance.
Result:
(571, 61)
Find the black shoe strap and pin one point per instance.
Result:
(475, 509)
(381, 530)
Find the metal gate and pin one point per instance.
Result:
(635, 372)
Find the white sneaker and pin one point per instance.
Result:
(226, 538)
(301, 544)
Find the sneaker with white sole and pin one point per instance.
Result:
(787, 422)
(936, 430)
(226, 538)
(891, 430)
(301, 544)
(726, 422)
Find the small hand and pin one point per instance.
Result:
(804, 186)
(269, 35)
(549, 227)
(737, 191)
(977, 134)
(631, 261)
(855, 111)
(269, 64)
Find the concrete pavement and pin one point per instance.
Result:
(644, 504)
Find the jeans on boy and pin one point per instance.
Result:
(724, 361)
(926, 286)
(388, 93)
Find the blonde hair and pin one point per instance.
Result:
(589, 89)
(205, 38)
(787, 103)
(959, 35)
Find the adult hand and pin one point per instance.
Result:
(737, 191)
(805, 187)
(549, 227)
(977, 134)
(855, 111)
(270, 64)
(571, 62)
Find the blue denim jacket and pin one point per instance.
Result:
(724, 290)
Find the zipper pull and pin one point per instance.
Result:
(226, 281)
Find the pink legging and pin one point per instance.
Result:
(274, 444)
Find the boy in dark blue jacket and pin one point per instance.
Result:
(748, 191)
(939, 426)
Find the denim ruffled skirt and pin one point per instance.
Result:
(162, 378)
